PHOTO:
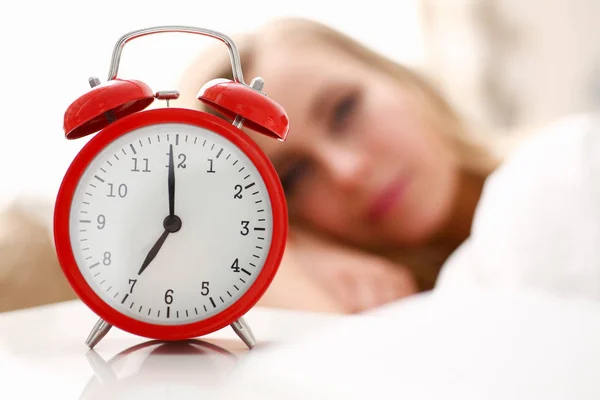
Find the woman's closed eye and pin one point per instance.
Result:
(297, 171)
(343, 110)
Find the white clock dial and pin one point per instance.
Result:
(122, 200)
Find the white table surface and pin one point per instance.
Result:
(472, 345)
(43, 355)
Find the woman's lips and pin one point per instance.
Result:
(387, 199)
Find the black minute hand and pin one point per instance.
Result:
(154, 251)
(171, 183)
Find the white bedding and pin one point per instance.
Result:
(470, 345)
(505, 320)
(537, 226)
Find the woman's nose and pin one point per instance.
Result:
(347, 169)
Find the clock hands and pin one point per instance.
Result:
(172, 223)
(171, 182)
(154, 251)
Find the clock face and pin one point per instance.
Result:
(207, 261)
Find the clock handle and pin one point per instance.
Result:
(242, 329)
(234, 55)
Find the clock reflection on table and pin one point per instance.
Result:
(158, 369)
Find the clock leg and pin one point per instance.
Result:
(99, 330)
(242, 329)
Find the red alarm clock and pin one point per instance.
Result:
(171, 223)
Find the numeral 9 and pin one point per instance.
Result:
(101, 221)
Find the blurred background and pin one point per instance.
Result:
(507, 64)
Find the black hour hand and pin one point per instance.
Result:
(171, 224)
(154, 251)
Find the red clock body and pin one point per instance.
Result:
(170, 223)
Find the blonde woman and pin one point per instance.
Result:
(382, 176)
(386, 186)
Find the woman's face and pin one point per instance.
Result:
(361, 162)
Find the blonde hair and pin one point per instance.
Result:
(475, 157)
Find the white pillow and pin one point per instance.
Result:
(537, 226)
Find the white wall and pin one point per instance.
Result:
(50, 48)
(512, 64)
